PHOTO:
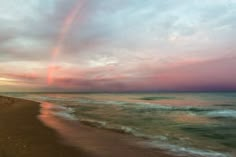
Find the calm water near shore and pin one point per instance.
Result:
(196, 124)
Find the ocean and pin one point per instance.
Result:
(188, 124)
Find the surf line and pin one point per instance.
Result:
(68, 22)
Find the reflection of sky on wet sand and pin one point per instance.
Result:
(97, 142)
(50, 120)
(66, 129)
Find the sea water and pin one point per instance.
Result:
(191, 124)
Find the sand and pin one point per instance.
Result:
(22, 134)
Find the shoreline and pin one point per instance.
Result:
(23, 134)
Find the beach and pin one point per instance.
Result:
(23, 133)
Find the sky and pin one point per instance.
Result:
(117, 45)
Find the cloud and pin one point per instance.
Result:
(118, 44)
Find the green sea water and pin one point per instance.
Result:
(197, 124)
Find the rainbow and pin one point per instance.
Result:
(68, 22)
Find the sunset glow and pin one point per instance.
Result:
(91, 45)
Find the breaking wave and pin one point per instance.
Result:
(222, 114)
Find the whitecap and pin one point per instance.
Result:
(222, 113)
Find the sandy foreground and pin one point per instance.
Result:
(22, 134)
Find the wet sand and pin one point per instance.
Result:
(22, 134)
